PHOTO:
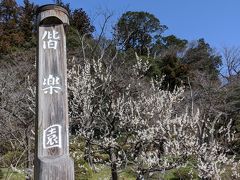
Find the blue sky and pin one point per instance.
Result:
(217, 21)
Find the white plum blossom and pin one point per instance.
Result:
(145, 127)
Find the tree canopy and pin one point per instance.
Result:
(10, 34)
(138, 30)
(201, 57)
(18, 25)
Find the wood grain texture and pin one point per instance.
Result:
(52, 108)
(52, 163)
(50, 11)
(60, 168)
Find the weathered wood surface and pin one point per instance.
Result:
(48, 12)
(60, 168)
(52, 147)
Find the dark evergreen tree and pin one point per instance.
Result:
(170, 67)
(27, 20)
(172, 41)
(169, 45)
(138, 30)
(81, 22)
(203, 59)
(10, 35)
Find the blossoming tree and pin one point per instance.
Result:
(136, 123)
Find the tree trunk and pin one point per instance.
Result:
(113, 164)
(28, 146)
(29, 169)
(140, 177)
(141, 173)
(88, 155)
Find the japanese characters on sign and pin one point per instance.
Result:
(51, 84)
(52, 137)
(50, 39)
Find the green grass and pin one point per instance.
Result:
(9, 174)
(127, 175)
(104, 173)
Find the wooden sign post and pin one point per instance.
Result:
(52, 161)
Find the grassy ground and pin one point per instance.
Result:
(8, 174)
(104, 173)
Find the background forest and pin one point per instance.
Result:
(141, 105)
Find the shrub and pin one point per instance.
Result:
(82, 169)
(11, 158)
(184, 173)
(1, 174)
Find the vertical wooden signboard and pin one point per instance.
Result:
(52, 161)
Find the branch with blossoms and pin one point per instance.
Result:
(136, 123)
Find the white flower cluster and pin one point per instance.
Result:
(140, 66)
(146, 126)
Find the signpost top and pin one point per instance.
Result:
(49, 11)
(51, 7)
